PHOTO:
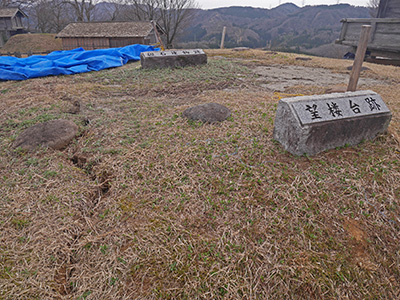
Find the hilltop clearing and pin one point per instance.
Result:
(284, 27)
(145, 204)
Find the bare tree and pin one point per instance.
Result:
(143, 10)
(13, 3)
(8, 3)
(51, 15)
(83, 9)
(62, 16)
(373, 6)
(4, 3)
(110, 12)
(43, 15)
(172, 15)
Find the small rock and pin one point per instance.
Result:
(172, 59)
(55, 134)
(303, 58)
(207, 113)
(76, 107)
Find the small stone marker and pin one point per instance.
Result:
(172, 59)
(55, 134)
(207, 113)
(311, 124)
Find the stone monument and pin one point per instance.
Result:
(172, 58)
(311, 124)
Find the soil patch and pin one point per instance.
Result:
(359, 244)
(207, 113)
(279, 77)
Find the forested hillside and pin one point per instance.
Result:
(284, 27)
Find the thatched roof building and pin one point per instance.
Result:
(10, 23)
(11, 12)
(98, 35)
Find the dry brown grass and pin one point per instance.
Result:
(146, 205)
(32, 42)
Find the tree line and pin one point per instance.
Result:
(51, 16)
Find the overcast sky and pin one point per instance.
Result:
(207, 4)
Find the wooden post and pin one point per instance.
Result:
(223, 38)
(157, 35)
(358, 61)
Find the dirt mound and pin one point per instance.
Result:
(36, 42)
(55, 134)
(146, 205)
(208, 113)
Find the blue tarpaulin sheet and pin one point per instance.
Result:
(69, 62)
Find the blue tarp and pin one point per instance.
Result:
(69, 62)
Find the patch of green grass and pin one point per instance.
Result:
(213, 71)
(27, 122)
(20, 223)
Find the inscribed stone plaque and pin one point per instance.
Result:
(311, 124)
(172, 58)
(327, 108)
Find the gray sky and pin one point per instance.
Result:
(207, 4)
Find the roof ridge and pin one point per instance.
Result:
(108, 22)
(106, 29)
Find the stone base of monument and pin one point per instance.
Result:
(311, 124)
(172, 59)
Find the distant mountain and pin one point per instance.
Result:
(284, 27)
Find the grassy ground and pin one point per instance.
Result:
(146, 205)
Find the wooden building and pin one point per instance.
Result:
(384, 40)
(10, 23)
(100, 35)
(389, 9)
